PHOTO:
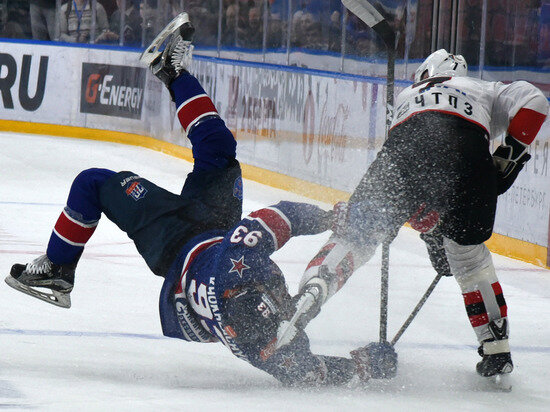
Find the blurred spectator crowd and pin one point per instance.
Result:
(518, 33)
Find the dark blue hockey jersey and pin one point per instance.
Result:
(216, 263)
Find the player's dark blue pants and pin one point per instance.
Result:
(158, 221)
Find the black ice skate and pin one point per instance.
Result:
(497, 361)
(495, 364)
(44, 280)
(177, 53)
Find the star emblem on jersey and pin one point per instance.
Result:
(239, 266)
(287, 362)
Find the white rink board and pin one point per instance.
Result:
(321, 129)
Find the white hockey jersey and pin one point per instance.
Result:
(518, 108)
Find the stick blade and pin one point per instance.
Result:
(372, 18)
(364, 10)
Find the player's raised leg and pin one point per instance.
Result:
(214, 146)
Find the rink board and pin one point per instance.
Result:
(308, 132)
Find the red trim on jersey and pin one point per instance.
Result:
(73, 231)
(445, 112)
(269, 350)
(230, 331)
(472, 297)
(525, 125)
(276, 223)
(195, 108)
(479, 320)
(193, 253)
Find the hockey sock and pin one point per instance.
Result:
(484, 301)
(333, 265)
(474, 271)
(213, 144)
(78, 221)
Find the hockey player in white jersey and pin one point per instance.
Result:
(436, 171)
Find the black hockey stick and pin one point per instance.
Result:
(372, 17)
(438, 258)
(417, 308)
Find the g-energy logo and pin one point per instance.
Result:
(111, 94)
(112, 90)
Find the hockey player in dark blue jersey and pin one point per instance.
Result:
(220, 283)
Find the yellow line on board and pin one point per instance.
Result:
(267, 177)
(518, 249)
(500, 244)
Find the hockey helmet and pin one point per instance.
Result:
(441, 62)
(254, 310)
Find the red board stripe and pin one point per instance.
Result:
(472, 297)
(525, 125)
(194, 109)
(276, 222)
(73, 231)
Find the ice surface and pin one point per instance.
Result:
(107, 351)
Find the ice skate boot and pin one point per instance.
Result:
(497, 363)
(177, 53)
(44, 280)
(497, 360)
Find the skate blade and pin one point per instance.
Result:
(56, 298)
(501, 382)
(288, 330)
(152, 52)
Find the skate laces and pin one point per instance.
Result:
(39, 265)
(181, 53)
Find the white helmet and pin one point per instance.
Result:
(441, 62)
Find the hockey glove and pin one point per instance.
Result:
(509, 158)
(436, 252)
(377, 360)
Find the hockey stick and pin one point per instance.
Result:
(438, 258)
(417, 308)
(365, 11)
(368, 14)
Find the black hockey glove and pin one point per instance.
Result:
(377, 360)
(436, 252)
(509, 158)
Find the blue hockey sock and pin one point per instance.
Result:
(78, 221)
(213, 143)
